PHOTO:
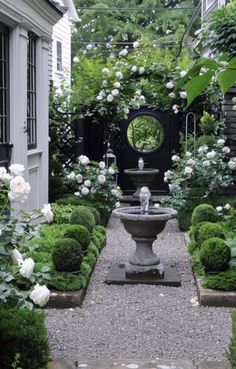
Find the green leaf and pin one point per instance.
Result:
(45, 269)
(226, 79)
(198, 84)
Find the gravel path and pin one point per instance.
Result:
(140, 321)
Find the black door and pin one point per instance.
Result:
(5, 146)
(152, 135)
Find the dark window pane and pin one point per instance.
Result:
(31, 92)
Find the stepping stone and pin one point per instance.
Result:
(134, 364)
(214, 365)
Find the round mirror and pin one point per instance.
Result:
(145, 133)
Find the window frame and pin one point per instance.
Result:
(31, 91)
(59, 56)
(4, 87)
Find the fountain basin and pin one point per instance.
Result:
(141, 177)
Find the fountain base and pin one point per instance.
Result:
(152, 271)
(119, 274)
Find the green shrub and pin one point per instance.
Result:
(204, 212)
(214, 254)
(208, 230)
(225, 281)
(208, 140)
(93, 248)
(67, 255)
(195, 229)
(62, 213)
(192, 247)
(96, 215)
(232, 344)
(184, 219)
(79, 233)
(207, 123)
(83, 215)
(100, 229)
(23, 332)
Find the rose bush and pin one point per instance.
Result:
(16, 230)
(94, 181)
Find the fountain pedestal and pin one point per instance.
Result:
(140, 178)
(144, 265)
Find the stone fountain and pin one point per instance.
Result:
(144, 223)
(141, 176)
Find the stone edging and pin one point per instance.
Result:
(210, 297)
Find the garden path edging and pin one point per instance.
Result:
(210, 297)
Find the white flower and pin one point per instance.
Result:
(27, 268)
(168, 31)
(156, 205)
(111, 171)
(234, 99)
(17, 169)
(19, 189)
(167, 174)
(226, 150)
(170, 85)
(223, 64)
(206, 163)
(234, 107)
(188, 153)
(117, 204)
(123, 52)
(135, 44)
(191, 161)
(172, 95)
(17, 257)
(134, 69)
(85, 191)
(227, 207)
(126, 110)
(103, 171)
(183, 94)
(101, 179)
(71, 175)
(188, 170)
(183, 73)
(87, 183)
(231, 165)
(175, 158)
(221, 141)
(77, 193)
(115, 92)
(141, 70)
(104, 83)
(211, 154)
(105, 71)
(175, 107)
(89, 47)
(110, 98)
(102, 164)
(4, 174)
(219, 208)
(76, 59)
(47, 212)
(119, 75)
(40, 295)
(117, 85)
(79, 178)
(99, 97)
(84, 159)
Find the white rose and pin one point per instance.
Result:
(226, 150)
(102, 165)
(126, 110)
(117, 85)
(135, 44)
(99, 97)
(19, 189)
(175, 107)
(17, 257)
(105, 71)
(101, 178)
(231, 165)
(188, 153)
(76, 59)
(183, 94)
(104, 83)
(170, 85)
(183, 73)
(188, 170)
(17, 169)
(141, 70)
(234, 107)
(40, 295)
(134, 69)
(110, 98)
(77, 193)
(221, 141)
(84, 159)
(227, 207)
(123, 52)
(175, 158)
(47, 212)
(71, 175)
(191, 162)
(168, 31)
(115, 92)
(219, 208)
(156, 205)
(234, 99)
(85, 191)
(119, 75)
(27, 268)
(206, 163)
(167, 174)
(117, 204)
(87, 183)
(172, 95)
(211, 154)
(79, 178)
(111, 171)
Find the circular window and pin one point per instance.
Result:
(145, 133)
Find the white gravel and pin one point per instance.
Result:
(140, 321)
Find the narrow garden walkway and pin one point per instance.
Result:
(140, 321)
